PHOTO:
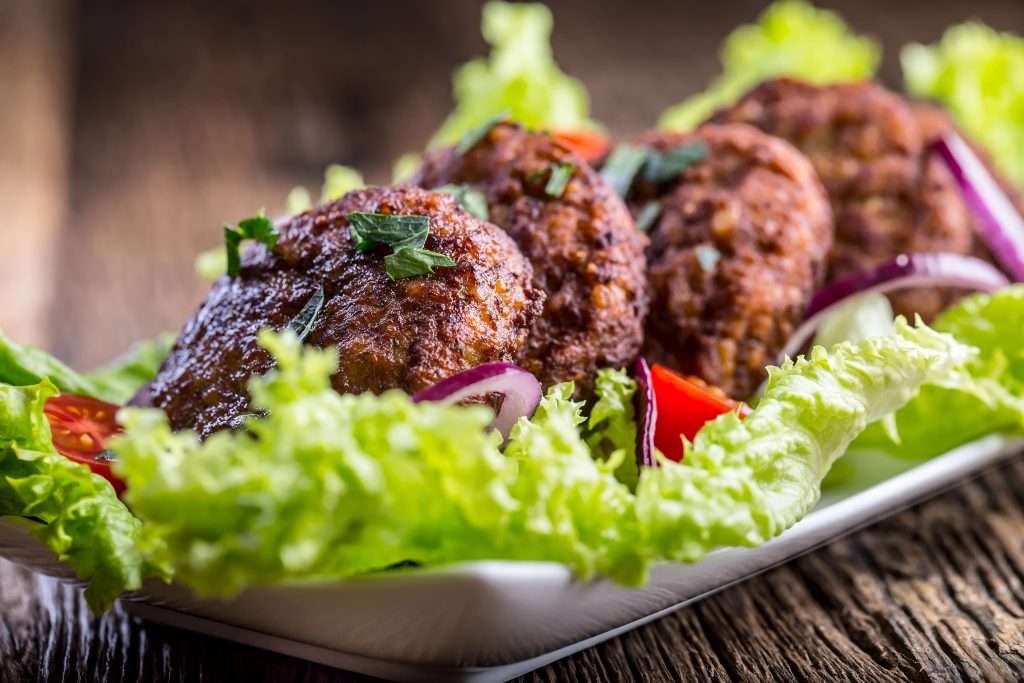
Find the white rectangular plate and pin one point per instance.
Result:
(491, 621)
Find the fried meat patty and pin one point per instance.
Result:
(870, 148)
(408, 333)
(586, 254)
(738, 248)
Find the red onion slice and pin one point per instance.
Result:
(646, 409)
(521, 392)
(906, 270)
(1001, 225)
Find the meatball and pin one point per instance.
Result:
(407, 333)
(888, 194)
(586, 254)
(738, 247)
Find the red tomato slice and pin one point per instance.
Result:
(80, 427)
(587, 145)
(685, 404)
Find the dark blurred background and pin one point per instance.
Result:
(131, 131)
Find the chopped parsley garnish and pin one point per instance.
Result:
(477, 134)
(622, 166)
(302, 323)
(648, 215)
(559, 177)
(470, 199)
(658, 167)
(371, 229)
(406, 236)
(708, 257)
(413, 261)
(259, 228)
(664, 166)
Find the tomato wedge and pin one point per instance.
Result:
(587, 145)
(80, 427)
(685, 404)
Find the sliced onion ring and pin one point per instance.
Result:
(521, 392)
(906, 270)
(646, 409)
(1000, 224)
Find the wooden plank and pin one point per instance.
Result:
(33, 159)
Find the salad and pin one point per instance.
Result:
(538, 343)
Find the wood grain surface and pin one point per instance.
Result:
(131, 131)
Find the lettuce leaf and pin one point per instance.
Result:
(519, 77)
(405, 167)
(116, 383)
(70, 509)
(570, 508)
(612, 427)
(858, 318)
(790, 38)
(23, 365)
(327, 485)
(986, 396)
(978, 74)
(743, 482)
(323, 486)
(73, 511)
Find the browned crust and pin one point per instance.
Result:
(406, 334)
(586, 255)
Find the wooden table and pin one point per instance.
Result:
(131, 132)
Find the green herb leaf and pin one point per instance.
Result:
(371, 229)
(477, 134)
(414, 261)
(664, 166)
(648, 215)
(622, 166)
(302, 323)
(259, 228)
(559, 178)
(472, 200)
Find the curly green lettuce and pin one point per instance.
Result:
(611, 429)
(117, 382)
(327, 485)
(73, 511)
(519, 78)
(790, 38)
(743, 482)
(978, 74)
(985, 396)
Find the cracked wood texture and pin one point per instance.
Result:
(131, 131)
